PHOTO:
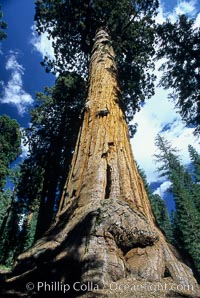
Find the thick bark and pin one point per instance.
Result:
(105, 231)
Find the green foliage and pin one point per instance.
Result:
(10, 240)
(72, 26)
(159, 209)
(195, 157)
(195, 190)
(162, 216)
(179, 43)
(10, 141)
(3, 26)
(55, 123)
(5, 197)
(187, 216)
(10, 148)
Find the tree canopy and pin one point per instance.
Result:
(179, 44)
(72, 25)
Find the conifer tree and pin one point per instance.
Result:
(105, 230)
(195, 158)
(55, 122)
(159, 209)
(162, 216)
(10, 140)
(10, 148)
(10, 239)
(187, 216)
(72, 26)
(5, 198)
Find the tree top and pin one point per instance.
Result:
(130, 23)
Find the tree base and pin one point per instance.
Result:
(103, 245)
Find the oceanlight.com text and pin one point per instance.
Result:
(150, 287)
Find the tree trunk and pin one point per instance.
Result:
(51, 177)
(105, 231)
(6, 215)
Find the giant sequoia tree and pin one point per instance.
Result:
(105, 229)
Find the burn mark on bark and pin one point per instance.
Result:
(104, 155)
(73, 193)
(110, 144)
(103, 113)
(108, 181)
(167, 272)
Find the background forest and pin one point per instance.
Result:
(31, 184)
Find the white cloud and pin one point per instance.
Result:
(25, 149)
(156, 113)
(159, 114)
(197, 21)
(183, 7)
(13, 92)
(186, 7)
(12, 64)
(160, 16)
(162, 188)
(42, 44)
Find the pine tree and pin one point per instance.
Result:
(187, 217)
(195, 157)
(195, 190)
(159, 209)
(162, 216)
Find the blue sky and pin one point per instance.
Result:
(22, 76)
(21, 73)
(159, 113)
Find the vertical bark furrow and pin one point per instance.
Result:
(106, 229)
(108, 181)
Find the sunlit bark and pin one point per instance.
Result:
(105, 229)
